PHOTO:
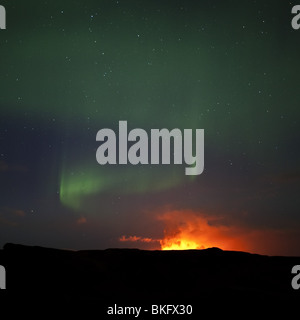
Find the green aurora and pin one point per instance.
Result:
(229, 67)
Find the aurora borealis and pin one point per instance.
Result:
(70, 68)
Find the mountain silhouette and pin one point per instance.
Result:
(199, 277)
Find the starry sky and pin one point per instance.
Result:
(69, 69)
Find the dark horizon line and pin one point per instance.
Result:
(10, 245)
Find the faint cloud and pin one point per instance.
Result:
(135, 239)
(10, 216)
(7, 222)
(5, 167)
(12, 212)
(81, 220)
(287, 177)
(19, 213)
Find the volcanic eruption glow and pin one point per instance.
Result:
(179, 244)
(185, 229)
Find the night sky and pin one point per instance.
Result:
(71, 68)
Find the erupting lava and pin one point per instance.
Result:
(186, 230)
(180, 244)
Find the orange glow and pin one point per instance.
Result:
(187, 230)
(179, 244)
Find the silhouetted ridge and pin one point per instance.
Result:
(138, 275)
